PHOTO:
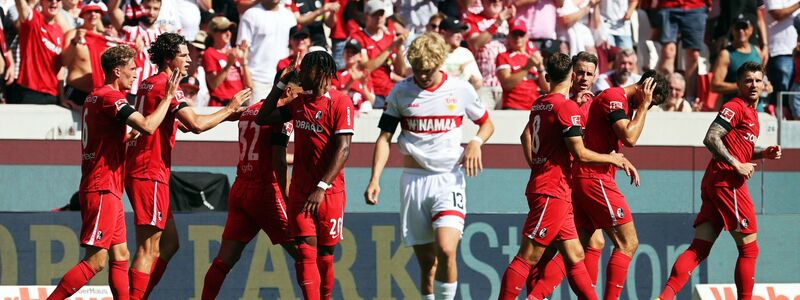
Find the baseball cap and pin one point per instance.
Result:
(220, 23)
(299, 31)
(190, 84)
(519, 25)
(742, 22)
(94, 6)
(199, 41)
(453, 25)
(374, 5)
(353, 45)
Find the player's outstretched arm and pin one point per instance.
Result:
(713, 142)
(200, 123)
(150, 123)
(473, 160)
(629, 131)
(772, 152)
(586, 156)
(340, 155)
(379, 158)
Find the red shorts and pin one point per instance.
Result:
(327, 226)
(150, 201)
(253, 207)
(728, 207)
(549, 219)
(103, 219)
(599, 204)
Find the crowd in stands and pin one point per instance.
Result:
(50, 48)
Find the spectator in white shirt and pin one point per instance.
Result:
(782, 40)
(623, 74)
(460, 62)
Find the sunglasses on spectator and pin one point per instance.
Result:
(433, 26)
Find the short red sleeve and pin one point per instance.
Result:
(471, 21)
(177, 102)
(210, 63)
(614, 99)
(502, 60)
(569, 115)
(113, 102)
(343, 121)
(731, 112)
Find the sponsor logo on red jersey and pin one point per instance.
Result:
(727, 114)
(614, 105)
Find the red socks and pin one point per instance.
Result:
(73, 280)
(118, 279)
(138, 283)
(325, 265)
(159, 267)
(514, 278)
(307, 272)
(616, 272)
(546, 281)
(744, 276)
(683, 267)
(592, 262)
(214, 278)
(580, 282)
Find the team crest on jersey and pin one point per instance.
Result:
(614, 105)
(620, 213)
(745, 223)
(576, 120)
(99, 235)
(542, 233)
(451, 102)
(727, 114)
(318, 115)
(159, 216)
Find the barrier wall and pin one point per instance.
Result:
(37, 248)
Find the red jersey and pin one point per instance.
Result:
(40, 46)
(103, 141)
(215, 61)
(287, 61)
(339, 30)
(741, 120)
(98, 43)
(357, 89)
(684, 4)
(478, 23)
(316, 122)
(606, 109)
(380, 76)
(255, 147)
(553, 117)
(144, 67)
(150, 156)
(521, 97)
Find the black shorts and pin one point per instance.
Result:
(75, 94)
(18, 94)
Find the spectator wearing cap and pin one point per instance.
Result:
(382, 47)
(353, 81)
(299, 43)
(141, 34)
(782, 40)
(730, 11)
(312, 14)
(81, 55)
(434, 23)
(197, 48)
(573, 25)
(265, 28)
(226, 68)
(520, 70)
(486, 40)
(190, 86)
(40, 44)
(460, 62)
(623, 74)
(676, 102)
(731, 58)
(685, 19)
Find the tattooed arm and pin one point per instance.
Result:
(713, 142)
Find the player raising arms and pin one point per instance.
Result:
(429, 107)
(149, 160)
(257, 196)
(105, 114)
(553, 133)
(726, 201)
(323, 123)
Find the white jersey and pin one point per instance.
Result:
(431, 120)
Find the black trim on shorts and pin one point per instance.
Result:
(616, 115)
(280, 140)
(722, 122)
(573, 131)
(388, 123)
(124, 113)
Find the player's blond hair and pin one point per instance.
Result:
(427, 52)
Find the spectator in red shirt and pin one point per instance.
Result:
(352, 80)
(226, 67)
(40, 42)
(299, 43)
(519, 69)
(486, 39)
(339, 32)
(687, 17)
(381, 45)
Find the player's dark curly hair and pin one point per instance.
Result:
(661, 91)
(117, 56)
(166, 47)
(748, 67)
(319, 63)
(558, 68)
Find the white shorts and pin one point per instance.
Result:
(429, 201)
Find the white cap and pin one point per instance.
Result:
(375, 5)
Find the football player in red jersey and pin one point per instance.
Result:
(553, 133)
(323, 123)
(105, 115)
(727, 204)
(149, 160)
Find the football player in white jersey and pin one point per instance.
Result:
(430, 107)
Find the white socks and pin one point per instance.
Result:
(428, 297)
(445, 291)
